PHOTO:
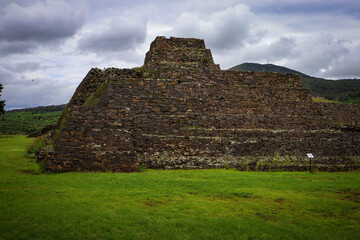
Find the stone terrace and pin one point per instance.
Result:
(180, 110)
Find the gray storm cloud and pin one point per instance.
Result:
(53, 41)
(12, 47)
(25, 27)
(119, 34)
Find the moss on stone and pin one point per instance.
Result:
(60, 125)
(94, 98)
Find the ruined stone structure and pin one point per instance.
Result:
(180, 110)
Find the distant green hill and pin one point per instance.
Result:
(345, 90)
(30, 119)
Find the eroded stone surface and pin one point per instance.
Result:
(181, 111)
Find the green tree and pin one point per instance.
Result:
(2, 102)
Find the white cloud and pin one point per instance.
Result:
(316, 53)
(277, 50)
(36, 92)
(346, 66)
(222, 29)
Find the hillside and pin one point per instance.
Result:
(30, 119)
(345, 90)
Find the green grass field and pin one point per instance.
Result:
(173, 204)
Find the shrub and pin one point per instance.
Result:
(34, 147)
(226, 165)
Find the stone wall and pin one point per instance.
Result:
(181, 111)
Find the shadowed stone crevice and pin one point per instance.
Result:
(181, 111)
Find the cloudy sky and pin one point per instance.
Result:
(48, 46)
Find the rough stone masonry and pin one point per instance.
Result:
(180, 110)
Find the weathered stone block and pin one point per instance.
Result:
(181, 111)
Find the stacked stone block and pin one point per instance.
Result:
(181, 111)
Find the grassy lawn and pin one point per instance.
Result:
(179, 204)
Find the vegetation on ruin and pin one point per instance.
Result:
(34, 146)
(172, 204)
(61, 123)
(345, 90)
(30, 119)
(94, 98)
(146, 71)
(321, 99)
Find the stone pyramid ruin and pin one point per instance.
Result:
(181, 111)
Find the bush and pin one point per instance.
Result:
(34, 147)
